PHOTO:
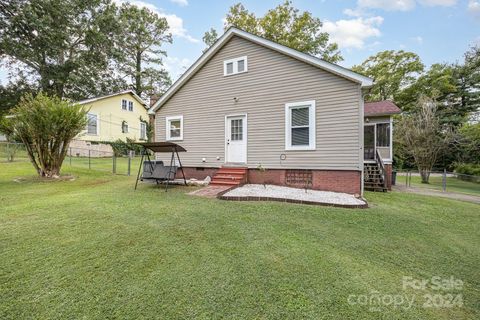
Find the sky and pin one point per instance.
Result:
(437, 30)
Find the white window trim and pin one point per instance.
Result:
(126, 105)
(167, 127)
(143, 124)
(128, 128)
(311, 125)
(235, 66)
(98, 124)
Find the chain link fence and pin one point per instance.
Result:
(85, 158)
(444, 181)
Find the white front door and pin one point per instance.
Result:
(236, 139)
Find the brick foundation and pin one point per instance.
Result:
(388, 174)
(327, 180)
(197, 173)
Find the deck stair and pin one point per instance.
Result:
(373, 178)
(230, 176)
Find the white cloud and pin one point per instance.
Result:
(174, 22)
(443, 3)
(354, 32)
(388, 5)
(474, 8)
(417, 39)
(400, 5)
(176, 66)
(182, 3)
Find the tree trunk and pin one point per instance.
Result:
(138, 74)
(425, 175)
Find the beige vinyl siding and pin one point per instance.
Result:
(272, 80)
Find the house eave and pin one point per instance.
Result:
(363, 81)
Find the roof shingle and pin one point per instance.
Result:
(381, 108)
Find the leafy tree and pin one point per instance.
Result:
(11, 93)
(467, 76)
(470, 143)
(46, 125)
(392, 71)
(285, 25)
(210, 37)
(143, 33)
(423, 136)
(63, 44)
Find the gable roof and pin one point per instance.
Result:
(381, 108)
(314, 61)
(131, 92)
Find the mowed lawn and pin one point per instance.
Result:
(94, 248)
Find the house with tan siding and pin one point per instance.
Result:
(250, 103)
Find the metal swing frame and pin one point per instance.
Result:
(161, 147)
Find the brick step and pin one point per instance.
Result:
(229, 176)
(224, 183)
(231, 171)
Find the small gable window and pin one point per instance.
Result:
(130, 105)
(124, 104)
(234, 66)
(174, 128)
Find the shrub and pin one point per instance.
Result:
(121, 148)
(46, 125)
(468, 172)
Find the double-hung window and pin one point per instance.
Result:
(143, 131)
(300, 125)
(234, 66)
(92, 124)
(124, 104)
(130, 105)
(174, 127)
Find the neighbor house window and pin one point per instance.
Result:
(130, 105)
(124, 127)
(124, 104)
(383, 134)
(143, 131)
(234, 66)
(174, 128)
(300, 125)
(92, 123)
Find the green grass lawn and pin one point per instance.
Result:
(435, 183)
(94, 248)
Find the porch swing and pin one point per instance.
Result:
(155, 169)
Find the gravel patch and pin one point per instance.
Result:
(279, 192)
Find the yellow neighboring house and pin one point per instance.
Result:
(115, 116)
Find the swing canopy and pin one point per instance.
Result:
(162, 146)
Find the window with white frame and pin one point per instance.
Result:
(174, 127)
(143, 131)
(300, 125)
(92, 123)
(124, 127)
(130, 105)
(234, 66)
(124, 104)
